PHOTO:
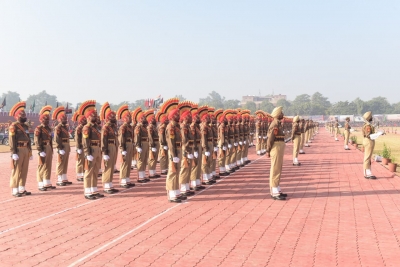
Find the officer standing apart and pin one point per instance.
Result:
(347, 128)
(369, 144)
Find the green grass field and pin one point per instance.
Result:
(391, 139)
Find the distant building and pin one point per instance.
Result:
(258, 99)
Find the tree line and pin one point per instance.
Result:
(304, 104)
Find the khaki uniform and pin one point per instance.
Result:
(296, 139)
(207, 146)
(44, 143)
(142, 141)
(369, 146)
(240, 147)
(186, 163)
(62, 142)
(303, 136)
(336, 125)
(347, 128)
(153, 143)
(196, 168)
(223, 148)
(91, 147)
(125, 142)
(108, 147)
(163, 153)
(134, 151)
(246, 142)
(20, 144)
(174, 141)
(214, 130)
(80, 158)
(230, 158)
(259, 137)
(276, 148)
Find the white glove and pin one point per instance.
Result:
(106, 157)
(154, 149)
(165, 148)
(42, 154)
(259, 136)
(215, 149)
(31, 158)
(240, 143)
(139, 150)
(207, 153)
(265, 137)
(89, 158)
(224, 148)
(190, 156)
(235, 144)
(229, 146)
(196, 154)
(62, 152)
(15, 157)
(79, 151)
(244, 142)
(123, 153)
(175, 159)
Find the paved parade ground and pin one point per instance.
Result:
(333, 216)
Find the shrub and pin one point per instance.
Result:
(387, 152)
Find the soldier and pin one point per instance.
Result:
(235, 143)
(80, 156)
(252, 130)
(258, 126)
(229, 159)
(195, 172)
(187, 148)
(154, 144)
(296, 139)
(336, 131)
(63, 147)
(91, 147)
(163, 151)
(214, 131)
(265, 123)
(98, 125)
(246, 134)
(44, 146)
(126, 145)
(302, 125)
(347, 128)
(306, 133)
(222, 140)
(275, 150)
(207, 145)
(369, 144)
(240, 139)
(21, 151)
(134, 151)
(108, 147)
(174, 141)
(141, 142)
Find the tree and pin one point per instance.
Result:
(379, 105)
(343, 108)
(231, 104)
(396, 108)
(266, 106)
(11, 99)
(250, 106)
(213, 100)
(286, 106)
(40, 101)
(138, 103)
(319, 104)
(181, 97)
(359, 105)
(301, 105)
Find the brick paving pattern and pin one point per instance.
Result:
(332, 217)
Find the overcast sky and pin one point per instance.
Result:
(127, 50)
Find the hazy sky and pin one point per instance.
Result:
(127, 50)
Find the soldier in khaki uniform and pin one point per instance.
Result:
(63, 148)
(302, 126)
(195, 174)
(296, 139)
(259, 133)
(276, 150)
(207, 145)
(109, 138)
(369, 144)
(347, 128)
(222, 140)
(174, 141)
(187, 147)
(214, 130)
(125, 136)
(44, 146)
(163, 151)
(80, 156)
(91, 147)
(154, 144)
(229, 160)
(240, 138)
(21, 151)
(252, 130)
(141, 142)
(336, 129)
(246, 135)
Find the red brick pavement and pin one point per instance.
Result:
(333, 217)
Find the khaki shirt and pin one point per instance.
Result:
(78, 136)
(368, 129)
(275, 134)
(108, 137)
(61, 135)
(42, 134)
(18, 132)
(125, 136)
(173, 138)
(141, 134)
(91, 137)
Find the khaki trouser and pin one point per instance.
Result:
(302, 141)
(296, 145)
(163, 158)
(126, 162)
(108, 171)
(368, 149)
(62, 163)
(246, 148)
(153, 157)
(206, 162)
(20, 170)
(90, 176)
(143, 157)
(196, 170)
(239, 153)
(264, 144)
(185, 168)
(222, 157)
(346, 137)
(276, 153)
(44, 169)
(172, 181)
(80, 162)
(258, 145)
(232, 153)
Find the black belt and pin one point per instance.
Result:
(111, 142)
(128, 140)
(94, 144)
(279, 139)
(191, 143)
(178, 144)
(144, 139)
(45, 143)
(22, 144)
